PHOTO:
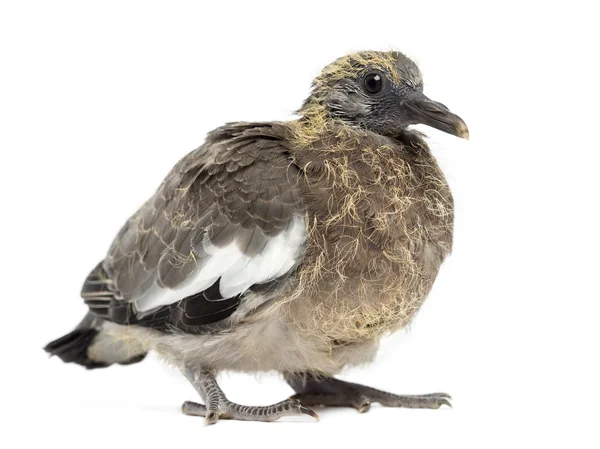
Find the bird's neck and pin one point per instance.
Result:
(317, 126)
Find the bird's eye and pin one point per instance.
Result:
(373, 83)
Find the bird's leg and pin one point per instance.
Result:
(216, 405)
(314, 390)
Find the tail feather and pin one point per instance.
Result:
(72, 348)
(92, 346)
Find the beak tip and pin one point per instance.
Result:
(436, 115)
(463, 131)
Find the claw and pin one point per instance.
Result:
(211, 418)
(445, 401)
(365, 406)
(309, 412)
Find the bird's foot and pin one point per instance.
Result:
(219, 407)
(231, 410)
(333, 392)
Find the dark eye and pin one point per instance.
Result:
(373, 83)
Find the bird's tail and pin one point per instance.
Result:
(91, 345)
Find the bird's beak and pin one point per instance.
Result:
(422, 110)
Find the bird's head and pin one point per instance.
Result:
(378, 91)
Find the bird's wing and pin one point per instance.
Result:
(227, 219)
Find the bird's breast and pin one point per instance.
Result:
(379, 224)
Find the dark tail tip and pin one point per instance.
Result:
(72, 348)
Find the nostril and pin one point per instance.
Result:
(435, 107)
(431, 106)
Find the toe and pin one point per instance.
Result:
(193, 409)
(438, 395)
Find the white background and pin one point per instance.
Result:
(99, 99)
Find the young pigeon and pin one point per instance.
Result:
(284, 246)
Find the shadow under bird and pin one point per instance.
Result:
(284, 246)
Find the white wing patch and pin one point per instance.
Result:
(237, 271)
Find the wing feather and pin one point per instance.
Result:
(227, 218)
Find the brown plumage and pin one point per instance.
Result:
(288, 246)
(381, 217)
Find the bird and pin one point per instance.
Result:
(288, 246)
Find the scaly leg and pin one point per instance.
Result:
(218, 406)
(313, 390)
